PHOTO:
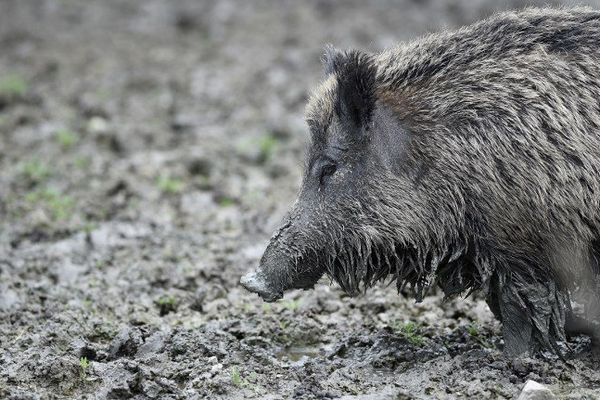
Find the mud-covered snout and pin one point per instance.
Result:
(257, 283)
(285, 263)
(272, 279)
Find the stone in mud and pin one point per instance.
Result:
(536, 391)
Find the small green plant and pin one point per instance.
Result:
(267, 145)
(225, 201)
(283, 325)
(82, 162)
(291, 304)
(59, 205)
(12, 86)
(166, 304)
(167, 300)
(259, 149)
(88, 303)
(266, 307)
(237, 379)
(89, 227)
(410, 332)
(253, 376)
(83, 367)
(35, 171)
(168, 184)
(66, 138)
(473, 331)
(203, 182)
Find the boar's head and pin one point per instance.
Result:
(363, 211)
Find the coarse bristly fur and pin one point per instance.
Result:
(467, 159)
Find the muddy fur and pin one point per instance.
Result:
(467, 159)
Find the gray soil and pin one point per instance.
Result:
(147, 151)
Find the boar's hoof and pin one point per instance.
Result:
(257, 284)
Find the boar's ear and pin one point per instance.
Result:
(331, 59)
(356, 74)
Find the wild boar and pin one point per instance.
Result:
(467, 159)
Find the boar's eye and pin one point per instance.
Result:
(326, 171)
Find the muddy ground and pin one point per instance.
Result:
(147, 151)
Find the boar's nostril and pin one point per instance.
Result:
(255, 283)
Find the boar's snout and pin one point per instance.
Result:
(283, 265)
(257, 283)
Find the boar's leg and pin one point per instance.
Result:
(516, 326)
(517, 329)
(532, 313)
